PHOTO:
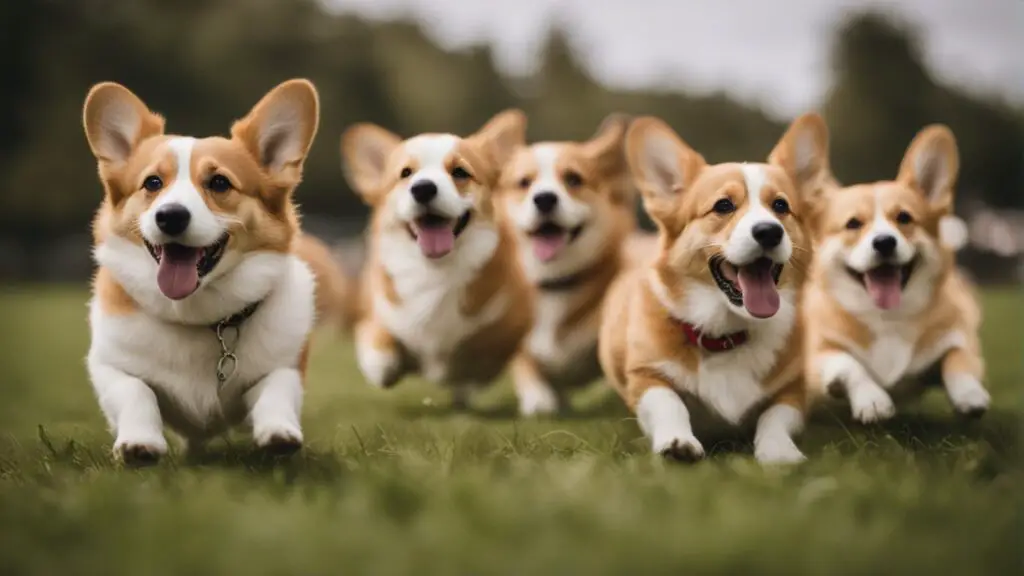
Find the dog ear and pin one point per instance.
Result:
(116, 121)
(930, 166)
(365, 150)
(607, 147)
(803, 152)
(498, 140)
(662, 165)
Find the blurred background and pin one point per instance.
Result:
(727, 75)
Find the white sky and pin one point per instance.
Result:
(772, 52)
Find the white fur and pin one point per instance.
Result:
(430, 152)
(665, 420)
(966, 394)
(379, 367)
(168, 350)
(863, 257)
(869, 402)
(536, 398)
(204, 228)
(773, 442)
(568, 353)
(742, 248)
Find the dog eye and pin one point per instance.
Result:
(524, 183)
(219, 183)
(572, 179)
(853, 224)
(152, 183)
(406, 172)
(459, 173)
(724, 206)
(904, 217)
(780, 206)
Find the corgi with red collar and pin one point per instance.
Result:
(572, 209)
(885, 301)
(712, 322)
(444, 295)
(201, 311)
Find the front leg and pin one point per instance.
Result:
(663, 417)
(536, 397)
(869, 402)
(378, 355)
(132, 412)
(275, 409)
(961, 375)
(784, 419)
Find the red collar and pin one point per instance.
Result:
(720, 344)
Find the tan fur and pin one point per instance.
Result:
(337, 298)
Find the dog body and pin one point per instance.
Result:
(337, 296)
(201, 312)
(713, 316)
(886, 298)
(443, 293)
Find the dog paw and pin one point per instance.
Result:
(871, 404)
(968, 397)
(279, 439)
(139, 452)
(779, 451)
(380, 368)
(683, 448)
(538, 401)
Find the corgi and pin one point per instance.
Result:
(337, 296)
(886, 299)
(443, 292)
(201, 311)
(710, 322)
(572, 211)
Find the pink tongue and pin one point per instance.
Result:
(883, 285)
(435, 241)
(760, 297)
(547, 246)
(177, 275)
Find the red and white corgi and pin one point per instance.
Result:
(885, 300)
(712, 321)
(443, 293)
(573, 209)
(201, 311)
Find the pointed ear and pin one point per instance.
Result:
(500, 137)
(662, 165)
(279, 129)
(365, 149)
(931, 165)
(116, 121)
(803, 152)
(608, 146)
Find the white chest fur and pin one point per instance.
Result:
(894, 354)
(561, 348)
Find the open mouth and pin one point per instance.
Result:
(180, 267)
(549, 239)
(885, 283)
(753, 286)
(436, 234)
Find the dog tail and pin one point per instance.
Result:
(953, 232)
(337, 294)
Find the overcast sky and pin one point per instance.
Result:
(769, 51)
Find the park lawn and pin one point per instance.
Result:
(394, 483)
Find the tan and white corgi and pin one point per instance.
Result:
(572, 209)
(444, 295)
(201, 311)
(712, 321)
(885, 300)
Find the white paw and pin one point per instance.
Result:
(538, 400)
(871, 404)
(968, 396)
(139, 449)
(280, 436)
(780, 450)
(682, 447)
(380, 368)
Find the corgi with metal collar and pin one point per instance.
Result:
(444, 295)
(711, 323)
(572, 209)
(201, 312)
(885, 301)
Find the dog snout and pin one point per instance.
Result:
(767, 234)
(423, 191)
(884, 245)
(173, 219)
(545, 202)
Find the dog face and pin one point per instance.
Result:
(180, 212)
(733, 230)
(567, 200)
(432, 188)
(882, 241)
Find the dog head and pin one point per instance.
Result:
(569, 200)
(882, 242)
(432, 188)
(731, 231)
(181, 212)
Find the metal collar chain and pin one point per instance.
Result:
(228, 332)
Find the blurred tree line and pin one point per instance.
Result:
(203, 63)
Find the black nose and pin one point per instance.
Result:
(768, 234)
(884, 244)
(545, 202)
(172, 219)
(424, 191)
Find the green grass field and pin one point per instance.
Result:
(394, 483)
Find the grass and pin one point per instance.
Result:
(394, 483)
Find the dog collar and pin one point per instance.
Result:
(227, 364)
(713, 344)
(562, 283)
